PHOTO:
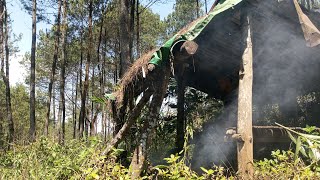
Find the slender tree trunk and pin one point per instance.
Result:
(32, 130)
(101, 64)
(75, 108)
(6, 78)
(53, 69)
(73, 88)
(131, 28)
(86, 81)
(54, 106)
(92, 122)
(103, 80)
(81, 114)
(63, 69)
(198, 9)
(2, 68)
(124, 37)
(206, 6)
(124, 52)
(131, 101)
(59, 121)
(115, 73)
(1, 133)
(138, 29)
(86, 120)
(108, 126)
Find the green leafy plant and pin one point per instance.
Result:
(283, 166)
(301, 164)
(307, 145)
(177, 168)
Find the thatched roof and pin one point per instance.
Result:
(286, 58)
(282, 34)
(281, 31)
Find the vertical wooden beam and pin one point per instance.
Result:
(244, 124)
(180, 114)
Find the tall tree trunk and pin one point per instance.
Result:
(92, 121)
(86, 120)
(59, 121)
(53, 69)
(63, 69)
(101, 64)
(86, 81)
(73, 99)
(1, 133)
(75, 108)
(124, 37)
(6, 77)
(54, 106)
(116, 65)
(198, 9)
(32, 130)
(103, 80)
(206, 6)
(93, 124)
(131, 28)
(138, 29)
(81, 114)
(124, 52)
(2, 68)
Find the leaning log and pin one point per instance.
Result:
(138, 162)
(130, 121)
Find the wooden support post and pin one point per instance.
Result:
(244, 124)
(180, 114)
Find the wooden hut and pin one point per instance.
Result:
(267, 51)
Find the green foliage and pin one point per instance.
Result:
(176, 166)
(307, 145)
(288, 164)
(20, 112)
(200, 108)
(46, 159)
(284, 166)
(177, 169)
(310, 4)
(185, 11)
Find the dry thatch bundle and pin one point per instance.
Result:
(133, 79)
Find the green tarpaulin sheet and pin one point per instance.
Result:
(163, 54)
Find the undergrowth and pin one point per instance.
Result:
(46, 159)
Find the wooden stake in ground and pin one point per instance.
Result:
(244, 124)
